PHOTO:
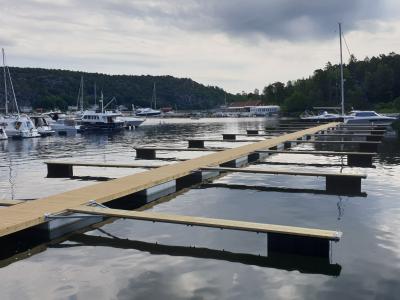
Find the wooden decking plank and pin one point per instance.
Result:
(210, 222)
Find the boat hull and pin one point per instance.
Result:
(377, 121)
(102, 126)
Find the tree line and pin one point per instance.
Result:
(51, 89)
(372, 83)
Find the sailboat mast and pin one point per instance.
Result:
(95, 95)
(5, 81)
(81, 102)
(102, 101)
(341, 69)
(154, 96)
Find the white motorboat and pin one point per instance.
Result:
(322, 116)
(362, 117)
(147, 112)
(101, 121)
(62, 124)
(42, 125)
(131, 121)
(66, 126)
(19, 126)
(106, 120)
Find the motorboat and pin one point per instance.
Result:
(42, 125)
(362, 117)
(131, 121)
(101, 121)
(19, 126)
(147, 112)
(321, 117)
(66, 126)
(62, 124)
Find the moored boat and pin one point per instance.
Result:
(101, 121)
(15, 125)
(362, 117)
(42, 126)
(19, 126)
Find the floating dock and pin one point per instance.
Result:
(50, 212)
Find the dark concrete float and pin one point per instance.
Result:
(339, 182)
(355, 159)
(199, 143)
(64, 169)
(364, 146)
(285, 239)
(150, 153)
(368, 136)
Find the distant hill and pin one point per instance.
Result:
(49, 89)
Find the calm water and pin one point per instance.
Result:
(121, 261)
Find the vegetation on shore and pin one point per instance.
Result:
(50, 89)
(372, 83)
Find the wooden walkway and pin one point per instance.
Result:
(209, 222)
(31, 213)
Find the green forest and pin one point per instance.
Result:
(372, 83)
(50, 89)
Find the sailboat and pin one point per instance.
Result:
(324, 115)
(149, 111)
(16, 125)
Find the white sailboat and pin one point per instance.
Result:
(149, 111)
(16, 125)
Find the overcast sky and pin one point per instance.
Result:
(235, 44)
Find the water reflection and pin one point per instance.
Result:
(308, 265)
(365, 263)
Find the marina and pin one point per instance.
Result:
(53, 217)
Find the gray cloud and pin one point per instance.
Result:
(272, 19)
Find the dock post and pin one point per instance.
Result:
(368, 147)
(252, 131)
(252, 157)
(376, 131)
(374, 138)
(145, 153)
(55, 170)
(195, 144)
(287, 145)
(339, 184)
(357, 160)
(229, 136)
(299, 245)
(189, 180)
